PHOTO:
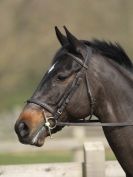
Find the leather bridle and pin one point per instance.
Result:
(82, 73)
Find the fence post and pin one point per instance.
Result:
(79, 135)
(94, 159)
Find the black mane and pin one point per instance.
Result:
(111, 51)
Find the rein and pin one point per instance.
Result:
(95, 123)
(66, 98)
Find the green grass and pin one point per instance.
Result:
(42, 157)
(35, 157)
(109, 154)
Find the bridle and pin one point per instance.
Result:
(68, 94)
(82, 73)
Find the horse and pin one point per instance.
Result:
(85, 78)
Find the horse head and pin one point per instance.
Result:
(61, 94)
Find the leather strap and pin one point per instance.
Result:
(43, 105)
(95, 123)
(79, 61)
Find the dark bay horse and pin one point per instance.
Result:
(86, 77)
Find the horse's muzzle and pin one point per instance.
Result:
(35, 138)
(30, 127)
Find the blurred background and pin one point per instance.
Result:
(27, 45)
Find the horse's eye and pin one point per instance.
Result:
(61, 77)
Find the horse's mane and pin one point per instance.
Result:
(111, 51)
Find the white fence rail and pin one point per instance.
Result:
(93, 165)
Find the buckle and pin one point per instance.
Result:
(59, 112)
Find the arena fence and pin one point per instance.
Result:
(93, 165)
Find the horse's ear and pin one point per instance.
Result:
(76, 44)
(62, 39)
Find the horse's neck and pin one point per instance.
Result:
(115, 95)
(114, 103)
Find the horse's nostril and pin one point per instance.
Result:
(23, 129)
